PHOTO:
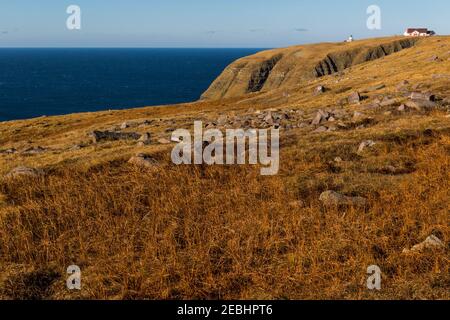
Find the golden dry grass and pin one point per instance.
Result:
(195, 232)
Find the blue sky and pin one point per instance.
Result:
(209, 23)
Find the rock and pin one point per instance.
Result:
(421, 105)
(163, 141)
(302, 125)
(334, 199)
(98, 136)
(422, 96)
(365, 144)
(222, 120)
(402, 86)
(372, 106)
(321, 116)
(133, 124)
(269, 118)
(76, 147)
(389, 170)
(434, 58)
(33, 150)
(338, 160)
(357, 115)
(144, 140)
(388, 102)
(24, 172)
(440, 76)
(321, 129)
(143, 161)
(320, 89)
(402, 108)
(8, 151)
(355, 97)
(432, 242)
(332, 128)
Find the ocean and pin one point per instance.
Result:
(37, 82)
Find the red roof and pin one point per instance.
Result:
(420, 30)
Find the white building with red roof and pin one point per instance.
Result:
(418, 32)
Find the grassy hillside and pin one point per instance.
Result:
(225, 231)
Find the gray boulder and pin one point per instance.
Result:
(355, 97)
(365, 144)
(334, 199)
(143, 161)
(430, 243)
(99, 136)
(24, 172)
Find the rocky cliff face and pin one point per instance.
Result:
(288, 67)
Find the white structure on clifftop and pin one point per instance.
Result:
(418, 32)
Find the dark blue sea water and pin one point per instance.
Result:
(36, 82)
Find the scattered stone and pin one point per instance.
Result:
(402, 86)
(144, 140)
(297, 204)
(33, 150)
(124, 125)
(370, 106)
(389, 170)
(334, 199)
(222, 120)
(365, 144)
(388, 102)
(338, 160)
(302, 125)
(269, 118)
(440, 76)
(76, 147)
(354, 98)
(434, 58)
(8, 151)
(320, 89)
(98, 136)
(24, 172)
(321, 116)
(422, 96)
(210, 125)
(321, 129)
(402, 108)
(144, 161)
(432, 242)
(420, 105)
(357, 115)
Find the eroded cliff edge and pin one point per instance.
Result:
(288, 67)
